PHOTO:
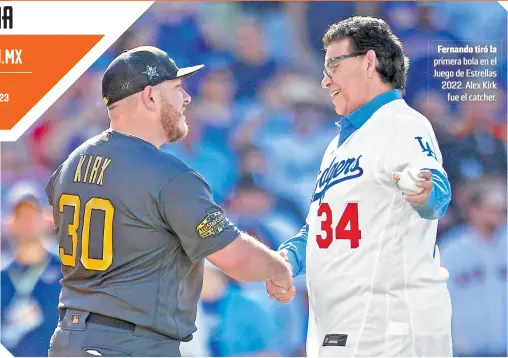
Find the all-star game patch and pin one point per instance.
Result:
(212, 225)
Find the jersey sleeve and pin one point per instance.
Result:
(413, 144)
(190, 211)
(297, 250)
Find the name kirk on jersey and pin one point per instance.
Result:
(337, 172)
(95, 168)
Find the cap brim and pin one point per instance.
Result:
(188, 71)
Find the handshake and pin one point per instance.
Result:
(281, 287)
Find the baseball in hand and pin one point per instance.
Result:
(408, 179)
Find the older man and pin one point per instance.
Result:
(373, 274)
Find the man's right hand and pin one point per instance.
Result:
(247, 259)
(282, 289)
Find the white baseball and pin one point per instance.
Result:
(408, 179)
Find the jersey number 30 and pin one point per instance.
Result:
(349, 216)
(107, 238)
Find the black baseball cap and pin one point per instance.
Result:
(137, 68)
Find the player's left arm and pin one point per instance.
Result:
(414, 145)
(295, 250)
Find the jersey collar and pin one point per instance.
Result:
(358, 117)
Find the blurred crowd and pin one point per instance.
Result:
(259, 125)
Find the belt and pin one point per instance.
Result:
(104, 321)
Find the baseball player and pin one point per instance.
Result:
(368, 249)
(134, 224)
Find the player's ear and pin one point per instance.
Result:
(147, 97)
(371, 60)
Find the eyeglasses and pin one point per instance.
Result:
(332, 60)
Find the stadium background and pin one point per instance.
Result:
(259, 125)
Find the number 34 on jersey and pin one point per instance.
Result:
(347, 227)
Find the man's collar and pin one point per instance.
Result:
(362, 114)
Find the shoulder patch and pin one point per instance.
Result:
(425, 147)
(105, 137)
(213, 224)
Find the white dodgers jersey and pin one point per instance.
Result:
(374, 281)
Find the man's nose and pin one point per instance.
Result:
(325, 82)
(186, 97)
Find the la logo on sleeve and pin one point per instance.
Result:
(425, 146)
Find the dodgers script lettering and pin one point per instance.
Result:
(336, 173)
